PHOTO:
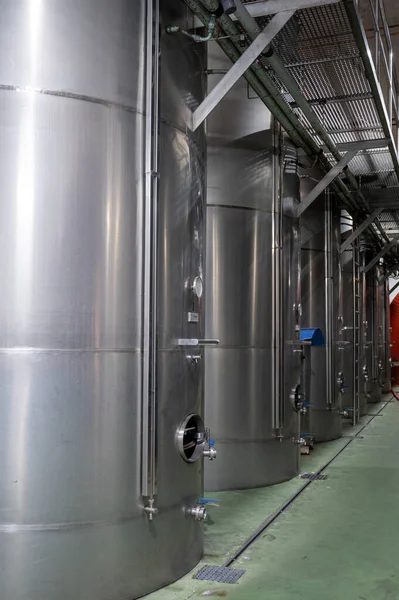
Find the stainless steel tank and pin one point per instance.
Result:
(385, 332)
(319, 257)
(351, 331)
(251, 294)
(374, 365)
(72, 524)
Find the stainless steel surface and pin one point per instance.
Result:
(251, 313)
(320, 309)
(385, 336)
(347, 334)
(373, 333)
(72, 524)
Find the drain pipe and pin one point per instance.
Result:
(260, 81)
(251, 27)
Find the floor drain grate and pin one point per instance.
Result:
(219, 574)
(313, 476)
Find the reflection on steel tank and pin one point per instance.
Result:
(77, 475)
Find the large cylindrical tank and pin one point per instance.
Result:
(319, 282)
(351, 336)
(250, 291)
(372, 348)
(72, 524)
(251, 300)
(385, 333)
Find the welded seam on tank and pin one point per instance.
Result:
(286, 215)
(259, 532)
(17, 528)
(10, 528)
(92, 100)
(70, 96)
(33, 350)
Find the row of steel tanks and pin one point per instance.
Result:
(145, 268)
(269, 277)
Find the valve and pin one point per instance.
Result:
(198, 512)
(209, 450)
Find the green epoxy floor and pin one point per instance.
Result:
(338, 540)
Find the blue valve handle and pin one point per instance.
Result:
(207, 501)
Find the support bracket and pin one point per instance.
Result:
(376, 258)
(238, 69)
(325, 182)
(360, 230)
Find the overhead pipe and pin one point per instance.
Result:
(262, 84)
(250, 25)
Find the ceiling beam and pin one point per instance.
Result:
(325, 182)
(360, 230)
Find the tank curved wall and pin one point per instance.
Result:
(352, 329)
(372, 351)
(319, 256)
(246, 398)
(72, 524)
(385, 337)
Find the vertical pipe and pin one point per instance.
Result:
(328, 296)
(278, 387)
(148, 471)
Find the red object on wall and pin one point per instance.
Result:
(394, 313)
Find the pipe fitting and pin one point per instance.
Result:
(151, 511)
(198, 512)
(211, 453)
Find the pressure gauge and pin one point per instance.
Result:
(195, 286)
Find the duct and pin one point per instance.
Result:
(278, 107)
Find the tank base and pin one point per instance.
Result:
(244, 465)
(325, 425)
(375, 393)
